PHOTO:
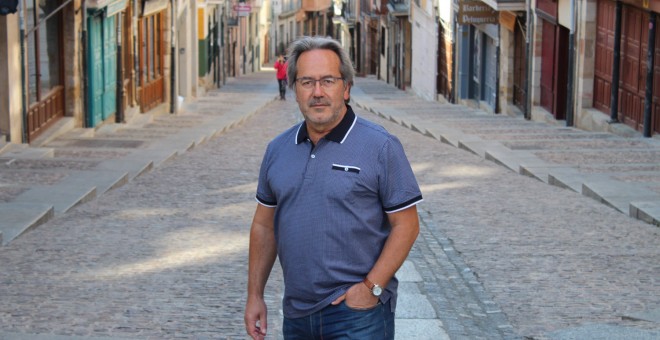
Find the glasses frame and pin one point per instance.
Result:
(319, 81)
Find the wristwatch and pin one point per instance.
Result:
(375, 289)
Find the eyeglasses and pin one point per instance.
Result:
(310, 83)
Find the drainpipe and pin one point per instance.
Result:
(530, 60)
(570, 113)
(650, 58)
(119, 116)
(135, 72)
(614, 95)
(454, 69)
(173, 99)
(84, 65)
(24, 99)
(497, 74)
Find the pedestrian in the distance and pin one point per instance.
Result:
(280, 67)
(337, 204)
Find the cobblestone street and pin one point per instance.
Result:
(163, 257)
(500, 255)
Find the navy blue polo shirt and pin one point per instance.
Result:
(331, 202)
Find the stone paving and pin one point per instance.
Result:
(163, 256)
(551, 153)
(550, 258)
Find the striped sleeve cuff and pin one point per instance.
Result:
(404, 205)
(266, 203)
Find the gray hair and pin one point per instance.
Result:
(305, 44)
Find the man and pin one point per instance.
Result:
(337, 203)
(280, 66)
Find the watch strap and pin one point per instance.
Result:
(369, 284)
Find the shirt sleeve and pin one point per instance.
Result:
(265, 195)
(398, 186)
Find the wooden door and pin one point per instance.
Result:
(373, 50)
(554, 69)
(547, 65)
(151, 60)
(444, 64)
(632, 83)
(604, 56)
(519, 68)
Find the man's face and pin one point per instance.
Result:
(322, 106)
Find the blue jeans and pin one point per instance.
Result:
(343, 322)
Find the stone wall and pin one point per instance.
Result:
(73, 54)
(11, 123)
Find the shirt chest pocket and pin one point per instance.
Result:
(343, 182)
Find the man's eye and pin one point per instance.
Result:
(306, 83)
(327, 81)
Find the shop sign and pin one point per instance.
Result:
(475, 13)
(112, 7)
(154, 6)
(243, 9)
(508, 20)
(116, 7)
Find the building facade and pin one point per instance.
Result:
(79, 64)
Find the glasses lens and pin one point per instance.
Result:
(328, 82)
(309, 84)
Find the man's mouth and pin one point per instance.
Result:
(318, 104)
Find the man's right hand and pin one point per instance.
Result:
(256, 315)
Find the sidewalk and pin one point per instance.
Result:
(38, 183)
(621, 172)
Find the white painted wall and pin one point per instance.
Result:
(424, 53)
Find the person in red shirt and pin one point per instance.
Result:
(280, 66)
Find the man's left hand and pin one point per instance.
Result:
(358, 297)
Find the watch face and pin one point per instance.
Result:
(377, 290)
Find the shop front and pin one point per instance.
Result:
(45, 50)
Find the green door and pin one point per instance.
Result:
(102, 69)
(109, 67)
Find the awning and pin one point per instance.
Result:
(154, 6)
(506, 5)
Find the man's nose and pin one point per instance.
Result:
(318, 90)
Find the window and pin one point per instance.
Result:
(43, 47)
(151, 49)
